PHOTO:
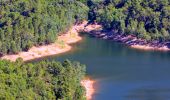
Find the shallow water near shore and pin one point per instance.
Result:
(122, 73)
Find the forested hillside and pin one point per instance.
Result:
(147, 19)
(24, 23)
(45, 80)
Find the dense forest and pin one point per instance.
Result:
(45, 80)
(24, 23)
(147, 19)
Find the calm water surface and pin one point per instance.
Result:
(123, 73)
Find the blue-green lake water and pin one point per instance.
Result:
(122, 73)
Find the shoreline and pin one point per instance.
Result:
(129, 40)
(61, 45)
(147, 47)
(63, 42)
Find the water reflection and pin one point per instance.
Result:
(150, 94)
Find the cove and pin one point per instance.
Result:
(122, 73)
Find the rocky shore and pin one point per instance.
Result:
(130, 40)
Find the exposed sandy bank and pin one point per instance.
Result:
(60, 46)
(89, 87)
(147, 47)
(92, 27)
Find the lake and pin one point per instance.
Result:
(122, 73)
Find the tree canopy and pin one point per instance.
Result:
(45, 80)
(24, 23)
(147, 19)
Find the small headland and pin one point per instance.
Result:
(88, 84)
